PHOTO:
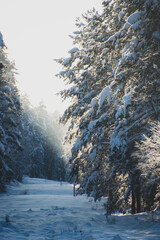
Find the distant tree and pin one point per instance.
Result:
(51, 136)
(43, 153)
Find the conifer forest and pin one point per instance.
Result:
(112, 76)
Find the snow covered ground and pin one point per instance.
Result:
(39, 209)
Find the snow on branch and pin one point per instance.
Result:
(8, 169)
(66, 61)
(106, 92)
(148, 151)
(133, 18)
(73, 50)
(2, 149)
(1, 41)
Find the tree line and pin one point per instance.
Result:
(113, 74)
(30, 138)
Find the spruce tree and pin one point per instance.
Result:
(10, 120)
(42, 154)
(114, 72)
(148, 153)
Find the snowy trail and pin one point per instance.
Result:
(40, 209)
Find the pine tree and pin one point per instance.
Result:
(42, 154)
(10, 120)
(114, 72)
(148, 154)
(29, 142)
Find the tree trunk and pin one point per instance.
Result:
(74, 190)
(138, 199)
(133, 203)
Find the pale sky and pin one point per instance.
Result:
(36, 32)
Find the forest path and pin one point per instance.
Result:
(39, 209)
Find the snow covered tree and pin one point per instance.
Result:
(51, 139)
(10, 120)
(138, 66)
(42, 154)
(148, 153)
(114, 77)
(82, 74)
(29, 142)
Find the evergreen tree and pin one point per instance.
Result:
(148, 153)
(10, 120)
(43, 154)
(29, 142)
(114, 73)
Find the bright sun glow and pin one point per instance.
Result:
(36, 32)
